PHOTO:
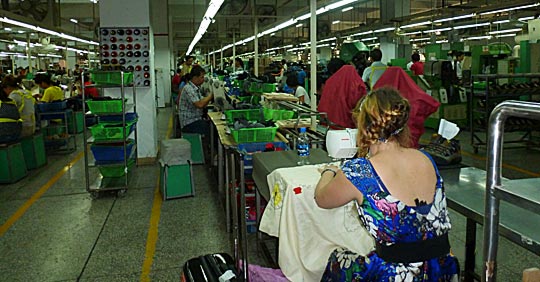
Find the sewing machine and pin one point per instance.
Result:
(341, 144)
(220, 100)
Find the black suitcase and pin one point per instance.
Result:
(209, 268)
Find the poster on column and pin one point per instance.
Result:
(126, 49)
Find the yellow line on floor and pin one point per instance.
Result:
(22, 210)
(151, 239)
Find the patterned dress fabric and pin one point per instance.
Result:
(390, 221)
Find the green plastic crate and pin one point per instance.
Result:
(250, 135)
(34, 151)
(268, 88)
(105, 107)
(112, 78)
(275, 115)
(13, 166)
(111, 132)
(251, 115)
(116, 171)
(176, 181)
(255, 87)
(254, 100)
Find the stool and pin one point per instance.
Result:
(14, 166)
(176, 174)
(197, 153)
(33, 148)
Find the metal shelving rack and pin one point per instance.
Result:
(482, 101)
(102, 184)
(62, 144)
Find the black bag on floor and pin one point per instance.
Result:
(211, 268)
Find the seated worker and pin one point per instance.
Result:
(299, 91)
(422, 105)
(238, 64)
(400, 199)
(192, 104)
(10, 119)
(52, 92)
(340, 94)
(417, 67)
(24, 101)
(375, 70)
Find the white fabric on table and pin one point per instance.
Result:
(308, 234)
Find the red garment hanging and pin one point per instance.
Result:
(422, 105)
(340, 94)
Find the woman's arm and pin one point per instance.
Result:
(334, 189)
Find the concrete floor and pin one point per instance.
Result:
(65, 235)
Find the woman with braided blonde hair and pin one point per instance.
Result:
(400, 199)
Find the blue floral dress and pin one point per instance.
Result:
(390, 221)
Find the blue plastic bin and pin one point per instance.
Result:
(248, 149)
(51, 107)
(118, 118)
(111, 152)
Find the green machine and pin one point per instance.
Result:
(349, 49)
(494, 58)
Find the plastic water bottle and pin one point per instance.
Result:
(302, 147)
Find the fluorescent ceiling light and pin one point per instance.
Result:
(362, 33)
(525, 18)
(347, 9)
(7, 29)
(369, 38)
(299, 25)
(415, 24)
(437, 30)
(420, 39)
(511, 9)
(385, 29)
(441, 41)
(411, 33)
(213, 8)
(339, 4)
(273, 34)
(20, 31)
(471, 25)
(73, 20)
(327, 39)
(501, 21)
(478, 37)
(455, 18)
(336, 22)
(505, 35)
(505, 31)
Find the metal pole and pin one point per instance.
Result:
(222, 68)
(233, 51)
(493, 181)
(313, 69)
(256, 40)
(28, 53)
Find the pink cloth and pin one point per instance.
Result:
(422, 105)
(340, 94)
(265, 274)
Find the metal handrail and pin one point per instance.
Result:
(494, 164)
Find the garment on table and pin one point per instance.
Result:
(189, 113)
(417, 68)
(340, 94)
(372, 73)
(301, 91)
(422, 105)
(52, 93)
(390, 222)
(26, 105)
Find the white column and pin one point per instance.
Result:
(136, 13)
(162, 54)
(313, 50)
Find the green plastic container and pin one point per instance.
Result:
(176, 181)
(34, 151)
(116, 171)
(197, 153)
(251, 115)
(13, 166)
(112, 78)
(268, 88)
(111, 132)
(250, 135)
(77, 126)
(275, 115)
(105, 107)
